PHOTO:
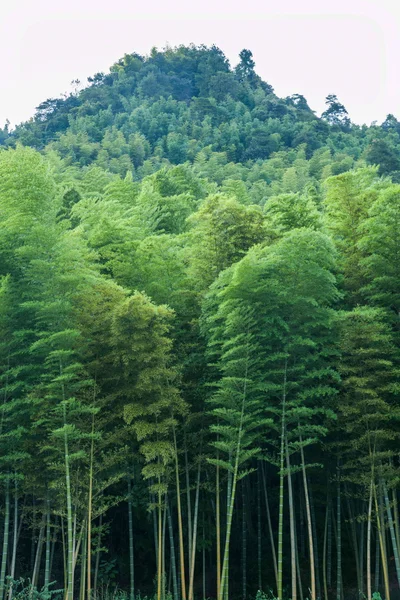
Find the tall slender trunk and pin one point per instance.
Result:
(353, 530)
(15, 537)
(65, 566)
(293, 549)
(377, 562)
(180, 526)
(300, 586)
(5, 538)
(361, 560)
(315, 544)
(396, 518)
(159, 556)
(231, 503)
(218, 527)
(98, 553)
(83, 588)
(259, 539)
(392, 531)
(38, 556)
(369, 519)
(188, 507)
(89, 523)
(172, 553)
(281, 481)
(244, 544)
(271, 536)
(130, 532)
(382, 543)
(48, 545)
(228, 496)
(164, 528)
(302, 528)
(53, 544)
(329, 541)
(204, 562)
(339, 542)
(70, 540)
(324, 551)
(309, 522)
(194, 530)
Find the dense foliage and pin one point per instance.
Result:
(199, 340)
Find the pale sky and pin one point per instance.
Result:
(350, 48)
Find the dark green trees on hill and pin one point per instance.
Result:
(199, 341)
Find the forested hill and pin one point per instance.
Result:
(169, 106)
(199, 342)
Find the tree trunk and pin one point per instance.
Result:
(218, 527)
(281, 481)
(271, 535)
(244, 544)
(48, 546)
(180, 525)
(89, 524)
(189, 508)
(38, 556)
(259, 538)
(315, 546)
(324, 574)
(377, 563)
(82, 591)
(131, 555)
(159, 553)
(15, 537)
(70, 557)
(194, 541)
(98, 553)
(309, 523)
(5, 538)
(172, 552)
(329, 550)
(392, 531)
(382, 543)
(293, 548)
(369, 586)
(339, 543)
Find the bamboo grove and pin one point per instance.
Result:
(199, 355)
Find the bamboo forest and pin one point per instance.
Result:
(199, 341)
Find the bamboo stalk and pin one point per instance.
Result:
(369, 585)
(392, 531)
(48, 547)
(259, 544)
(339, 542)
(5, 538)
(15, 537)
(130, 532)
(309, 523)
(172, 553)
(281, 480)
(271, 536)
(89, 523)
(244, 544)
(292, 526)
(194, 531)
(180, 525)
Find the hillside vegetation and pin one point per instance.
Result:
(199, 340)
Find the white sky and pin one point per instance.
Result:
(313, 47)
